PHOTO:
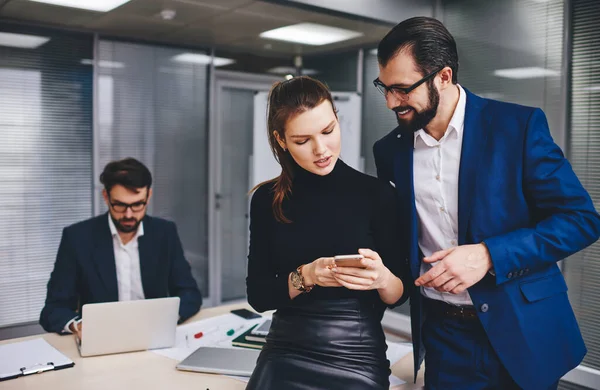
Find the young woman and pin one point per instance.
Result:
(326, 332)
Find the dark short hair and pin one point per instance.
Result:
(430, 43)
(129, 172)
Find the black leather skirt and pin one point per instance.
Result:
(330, 344)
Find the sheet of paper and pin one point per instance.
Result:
(395, 381)
(397, 351)
(29, 354)
(214, 334)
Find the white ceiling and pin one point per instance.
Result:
(229, 24)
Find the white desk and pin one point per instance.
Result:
(146, 370)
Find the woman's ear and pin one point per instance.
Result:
(280, 141)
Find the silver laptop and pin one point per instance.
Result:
(227, 361)
(128, 326)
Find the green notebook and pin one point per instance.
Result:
(242, 341)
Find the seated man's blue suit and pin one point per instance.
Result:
(518, 195)
(85, 270)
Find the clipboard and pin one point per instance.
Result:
(30, 357)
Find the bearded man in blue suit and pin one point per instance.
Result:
(489, 205)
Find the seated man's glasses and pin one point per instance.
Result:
(122, 207)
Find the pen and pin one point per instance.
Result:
(201, 334)
(233, 330)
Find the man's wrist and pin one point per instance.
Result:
(74, 326)
(488, 257)
(73, 321)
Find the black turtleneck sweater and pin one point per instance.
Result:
(331, 215)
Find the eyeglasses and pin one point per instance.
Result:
(122, 207)
(401, 92)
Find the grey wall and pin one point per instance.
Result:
(505, 34)
(377, 119)
(339, 71)
(155, 109)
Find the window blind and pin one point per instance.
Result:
(45, 158)
(583, 269)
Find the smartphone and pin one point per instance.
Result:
(349, 261)
(262, 329)
(246, 314)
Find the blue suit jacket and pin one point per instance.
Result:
(85, 270)
(519, 195)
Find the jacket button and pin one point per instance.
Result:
(521, 272)
(510, 275)
(484, 308)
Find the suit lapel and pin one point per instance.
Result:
(104, 259)
(476, 128)
(403, 176)
(148, 258)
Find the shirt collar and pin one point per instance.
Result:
(457, 121)
(115, 233)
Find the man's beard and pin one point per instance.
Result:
(420, 119)
(126, 229)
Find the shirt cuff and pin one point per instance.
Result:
(67, 326)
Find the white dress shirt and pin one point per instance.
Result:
(127, 264)
(436, 168)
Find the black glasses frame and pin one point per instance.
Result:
(398, 91)
(122, 207)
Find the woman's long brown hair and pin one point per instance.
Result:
(286, 100)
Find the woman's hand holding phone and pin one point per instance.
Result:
(368, 273)
(319, 273)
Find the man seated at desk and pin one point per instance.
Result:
(119, 256)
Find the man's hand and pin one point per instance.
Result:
(76, 328)
(458, 269)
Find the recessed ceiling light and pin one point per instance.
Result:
(310, 34)
(373, 51)
(21, 40)
(203, 59)
(525, 73)
(104, 63)
(168, 14)
(289, 69)
(91, 5)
